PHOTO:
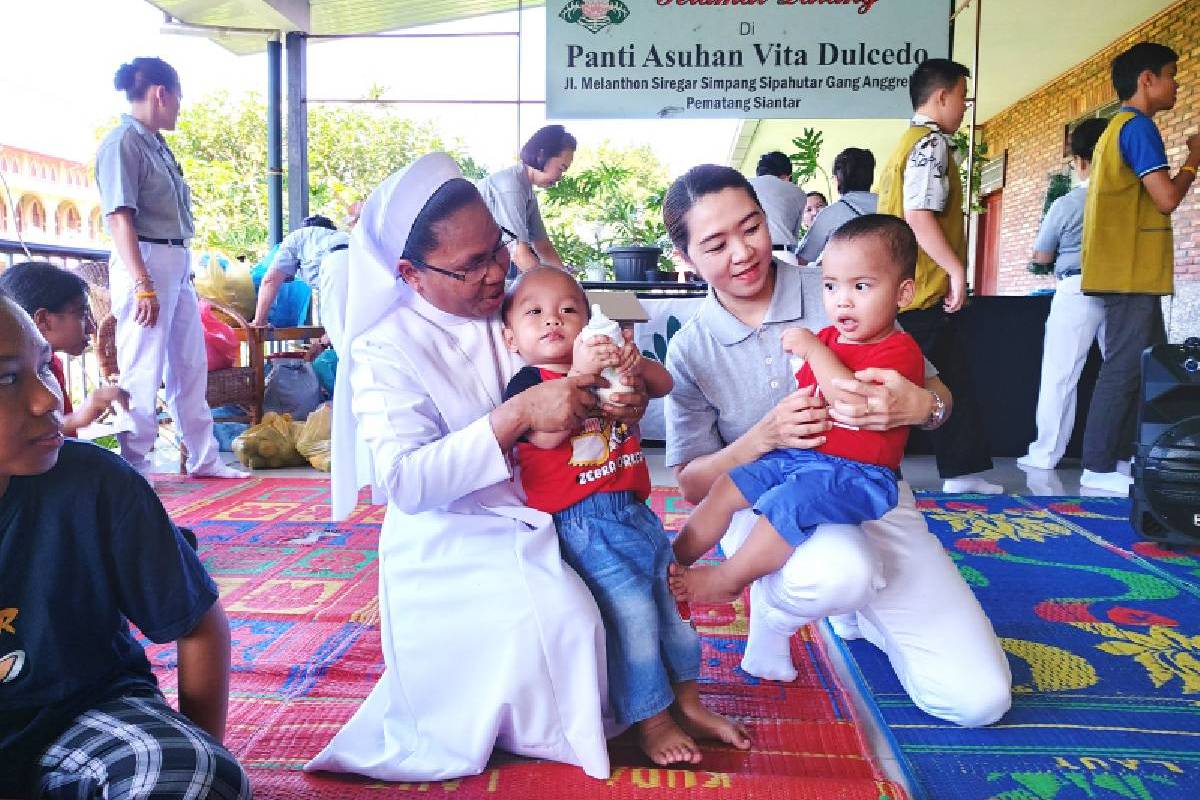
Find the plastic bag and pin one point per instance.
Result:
(315, 438)
(290, 307)
(227, 282)
(220, 341)
(271, 444)
(325, 365)
(292, 388)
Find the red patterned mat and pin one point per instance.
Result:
(300, 595)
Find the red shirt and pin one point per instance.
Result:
(898, 351)
(56, 366)
(602, 456)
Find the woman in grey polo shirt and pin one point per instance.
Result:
(733, 401)
(147, 208)
(545, 158)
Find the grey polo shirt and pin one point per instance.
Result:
(135, 169)
(1061, 232)
(728, 375)
(783, 202)
(832, 217)
(303, 249)
(509, 196)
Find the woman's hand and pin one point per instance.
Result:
(629, 404)
(884, 399)
(799, 421)
(146, 314)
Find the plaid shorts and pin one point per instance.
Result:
(137, 746)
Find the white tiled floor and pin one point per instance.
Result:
(921, 473)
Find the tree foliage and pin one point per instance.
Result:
(221, 144)
(612, 195)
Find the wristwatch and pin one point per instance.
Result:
(937, 414)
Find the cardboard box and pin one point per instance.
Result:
(624, 307)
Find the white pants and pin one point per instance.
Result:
(910, 601)
(331, 295)
(171, 352)
(1074, 322)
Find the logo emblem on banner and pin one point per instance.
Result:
(595, 15)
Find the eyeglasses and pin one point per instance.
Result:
(474, 272)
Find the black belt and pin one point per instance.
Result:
(1069, 274)
(171, 242)
(780, 247)
(337, 247)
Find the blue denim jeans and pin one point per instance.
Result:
(619, 548)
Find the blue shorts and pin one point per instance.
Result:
(797, 490)
(619, 548)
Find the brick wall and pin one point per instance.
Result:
(1032, 133)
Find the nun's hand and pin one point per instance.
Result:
(629, 404)
(559, 405)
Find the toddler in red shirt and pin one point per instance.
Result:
(867, 272)
(594, 481)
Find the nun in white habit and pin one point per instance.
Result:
(489, 639)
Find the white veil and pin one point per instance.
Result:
(373, 289)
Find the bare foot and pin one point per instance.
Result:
(701, 584)
(697, 720)
(661, 738)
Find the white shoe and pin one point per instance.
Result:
(970, 484)
(1029, 461)
(219, 470)
(1113, 482)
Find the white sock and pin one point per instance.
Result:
(219, 470)
(1106, 481)
(1125, 467)
(1028, 460)
(768, 652)
(846, 626)
(971, 484)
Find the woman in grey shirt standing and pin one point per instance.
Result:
(545, 158)
(147, 208)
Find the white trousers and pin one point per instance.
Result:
(170, 353)
(1074, 322)
(910, 601)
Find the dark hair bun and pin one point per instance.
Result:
(125, 78)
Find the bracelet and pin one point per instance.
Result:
(151, 295)
(1188, 168)
(937, 415)
(146, 283)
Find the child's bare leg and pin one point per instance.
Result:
(708, 523)
(763, 552)
(697, 720)
(665, 742)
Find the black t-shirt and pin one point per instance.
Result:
(85, 549)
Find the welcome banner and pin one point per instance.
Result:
(614, 59)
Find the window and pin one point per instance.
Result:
(1106, 111)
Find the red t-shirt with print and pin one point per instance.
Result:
(56, 366)
(602, 456)
(900, 352)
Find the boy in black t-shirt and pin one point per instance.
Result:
(86, 548)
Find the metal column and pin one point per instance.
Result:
(274, 142)
(297, 128)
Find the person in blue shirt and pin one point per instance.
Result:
(1075, 318)
(86, 548)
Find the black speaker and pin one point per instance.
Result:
(1166, 476)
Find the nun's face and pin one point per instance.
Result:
(466, 238)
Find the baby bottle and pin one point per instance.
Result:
(601, 325)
